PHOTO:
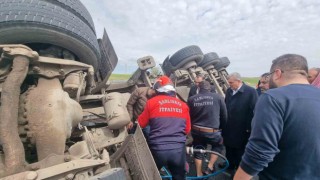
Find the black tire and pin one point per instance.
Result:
(181, 57)
(76, 8)
(167, 67)
(224, 63)
(185, 55)
(211, 58)
(63, 23)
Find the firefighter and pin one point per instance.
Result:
(208, 113)
(169, 122)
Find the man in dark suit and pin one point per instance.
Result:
(240, 101)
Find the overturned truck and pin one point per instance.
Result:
(60, 116)
(58, 119)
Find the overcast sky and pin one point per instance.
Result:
(251, 33)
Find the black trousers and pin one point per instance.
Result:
(174, 159)
(234, 156)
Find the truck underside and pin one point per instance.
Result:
(60, 116)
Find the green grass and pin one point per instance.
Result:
(120, 76)
(252, 81)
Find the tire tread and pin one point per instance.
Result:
(42, 13)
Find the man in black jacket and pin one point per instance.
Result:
(240, 101)
(208, 115)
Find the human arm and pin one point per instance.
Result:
(188, 118)
(241, 175)
(227, 97)
(253, 98)
(144, 117)
(223, 114)
(188, 123)
(267, 127)
(132, 100)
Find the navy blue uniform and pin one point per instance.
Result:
(207, 110)
(195, 90)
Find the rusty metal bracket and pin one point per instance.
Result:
(67, 170)
(44, 66)
(104, 137)
(49, 161)
(8, 52)
(64, 169)
(54, 67)
(12, 50)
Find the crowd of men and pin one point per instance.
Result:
(270, 131)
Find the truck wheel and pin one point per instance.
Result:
(62, 23)
(211, 58)
(181, 57)
(167, 67)
(224, 62)
(185, 55)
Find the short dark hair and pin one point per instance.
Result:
(265, 75)
(201, 75)
(291, 62)
(205, 85)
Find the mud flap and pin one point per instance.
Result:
(109, 57)
(139, 163)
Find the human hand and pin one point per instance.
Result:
(130, 125)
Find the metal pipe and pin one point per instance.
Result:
(216, 84)
(12, 146)
(146, 79)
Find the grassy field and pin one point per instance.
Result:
(252, 81)
(120, 76)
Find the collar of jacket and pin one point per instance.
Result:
(242, 87)
(240, 90)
